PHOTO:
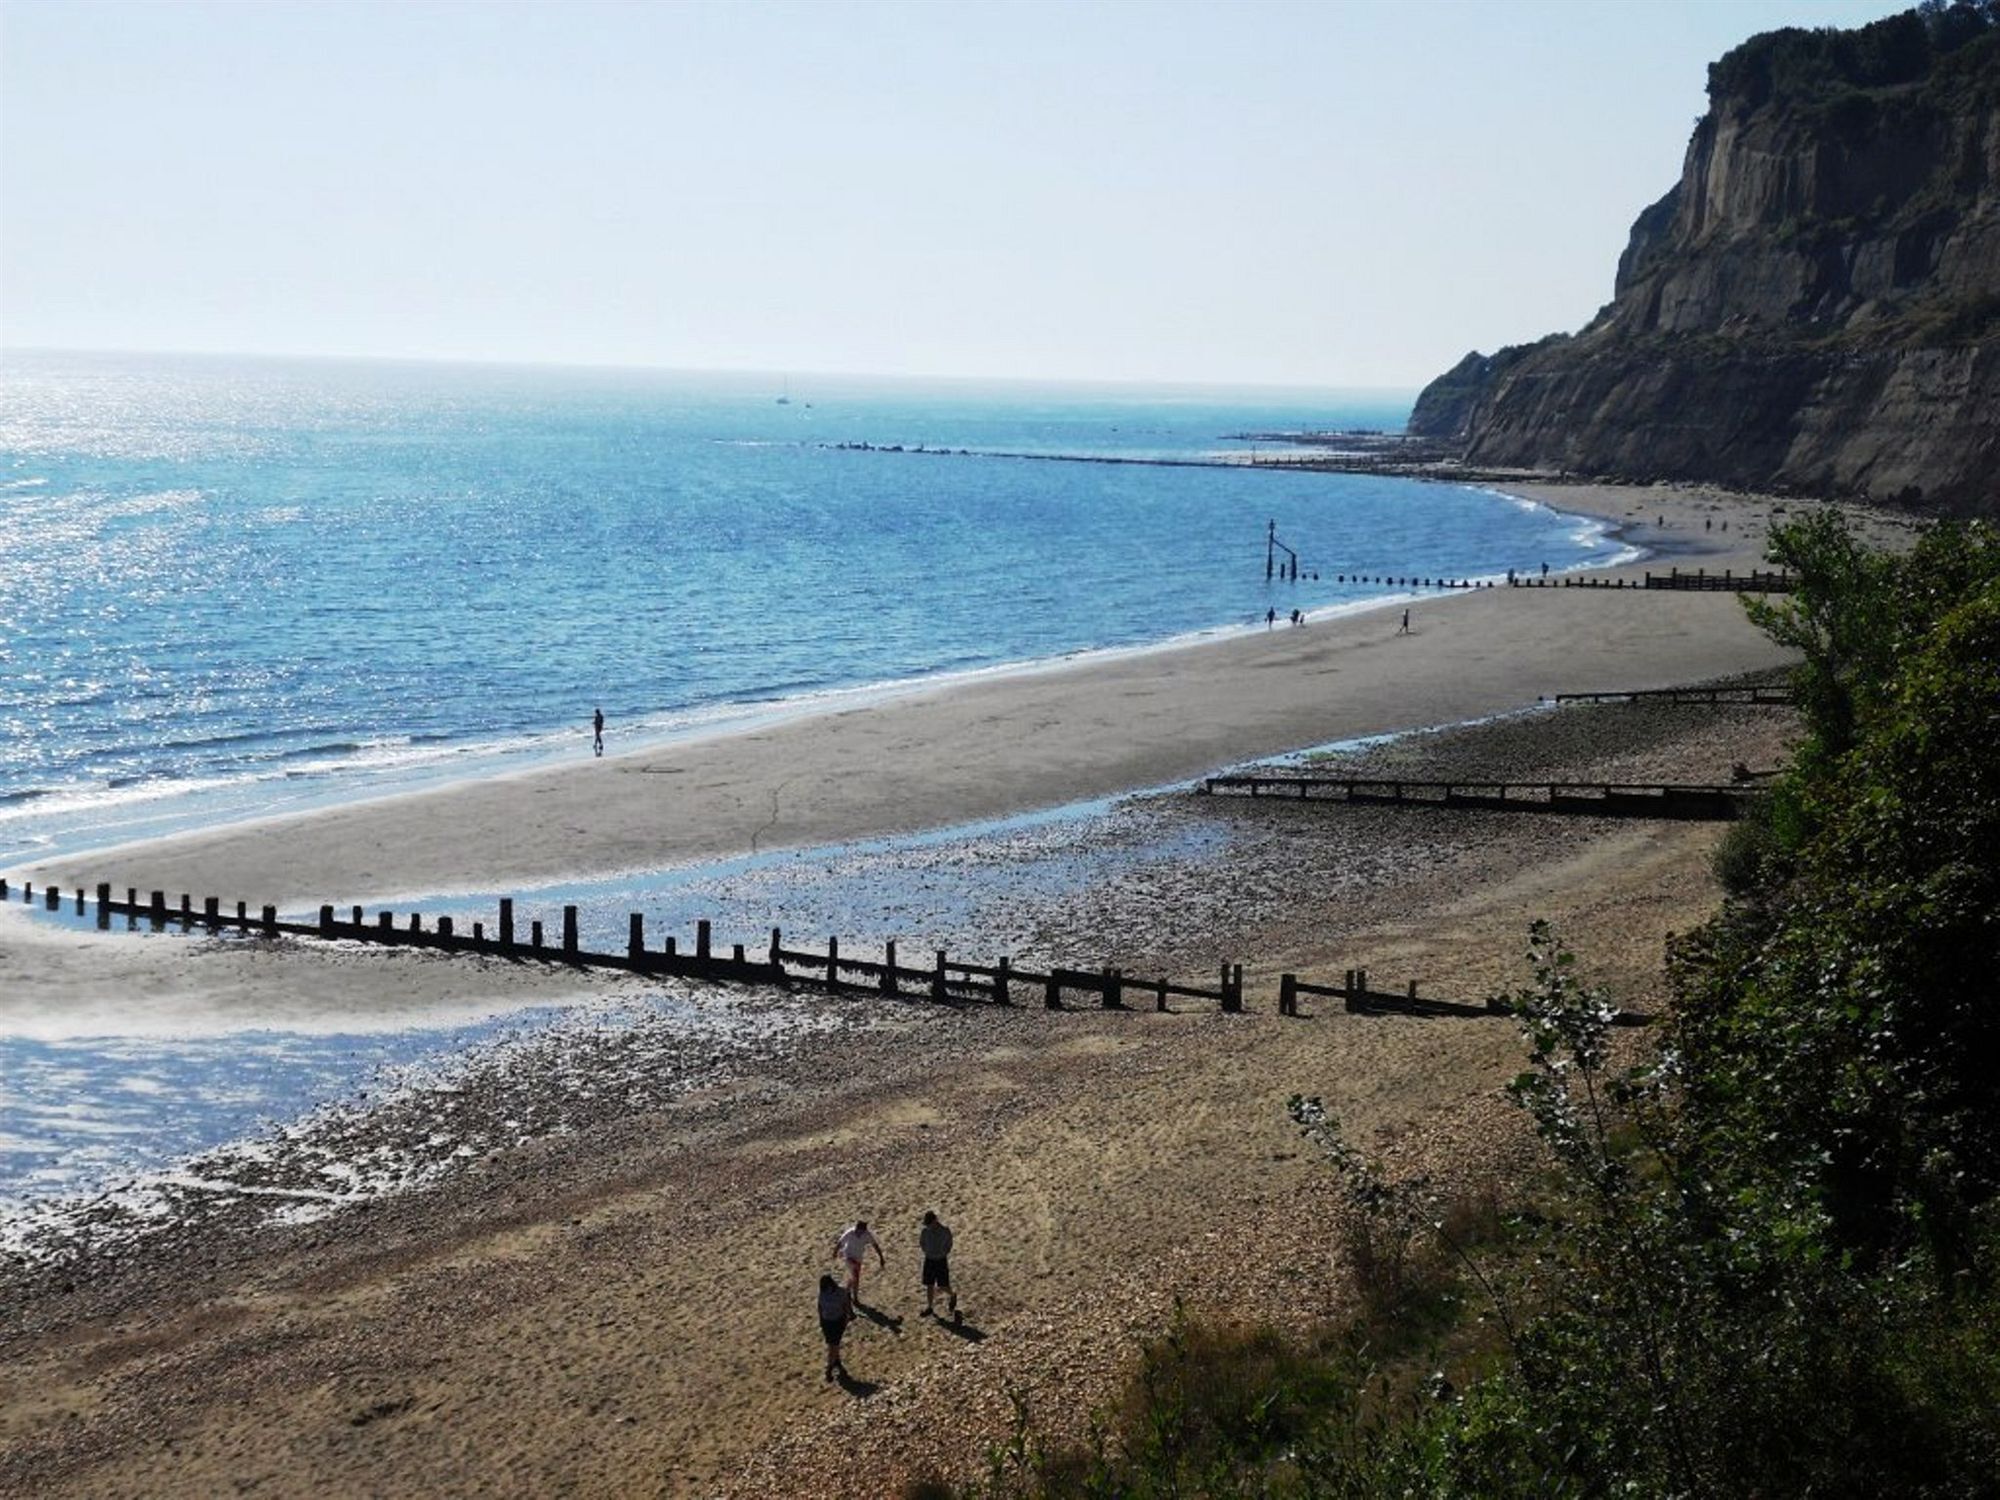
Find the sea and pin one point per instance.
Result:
(231, 587)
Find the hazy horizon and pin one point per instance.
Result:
(1275, 195)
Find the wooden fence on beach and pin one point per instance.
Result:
(1700, 801)
(1767, 694)
(945, 979)
(1700, 580)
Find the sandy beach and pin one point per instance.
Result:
(619, 1302)
(997, 746)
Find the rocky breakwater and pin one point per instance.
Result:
(1814, 307)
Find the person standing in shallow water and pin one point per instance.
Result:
(597, 733)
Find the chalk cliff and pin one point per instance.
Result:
(1813, 307)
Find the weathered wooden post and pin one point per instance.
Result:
(635, 936)
(938, 991)
(211, 912)
(535, 936)
(385, 925)
(701, 939)
(355, 916)
(670, 949)
(737, 957)
(891, 984)
(1236, 985)
(777, 947)
(159, 912)
(1000, 981)
(104, 904)
(1413, 989)
(187, 911)
(52, 897)
(79, 901)
(479, 934)
(416, 924)
(269, 916)
(506, 921)
(833, 963)
(1288, 994)
(1053, 999)
(326, 921)
(569, 932)
(445, 931)
(242, 914)
(131, 897)
(1114, 989)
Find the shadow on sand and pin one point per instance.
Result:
(862, 1388)
(879, 1318)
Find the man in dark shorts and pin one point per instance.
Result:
(935, 1241)
(597, 732)
(836, 1309)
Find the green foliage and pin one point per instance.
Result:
(1765, 1260)
(1799, 69)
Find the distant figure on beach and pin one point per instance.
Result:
(1708, 523)
(836, 1311)
(1545, 570)
(1406, 624)
(853, 1246)
(597, 732)
(934, 1239)
(1271, 617)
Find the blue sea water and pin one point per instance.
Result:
(229, 587)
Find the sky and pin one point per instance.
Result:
(1349, 193)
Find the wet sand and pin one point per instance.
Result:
(623, 1305)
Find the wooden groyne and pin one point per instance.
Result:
(1701, 580)
(943, 979)
(1765, 695)
(1692, 801)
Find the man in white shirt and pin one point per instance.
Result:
(853, 1246)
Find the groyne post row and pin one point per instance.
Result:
(1766, 695)
(1704, 802)
(1725, 581)
(944, 979)
(1754, 582)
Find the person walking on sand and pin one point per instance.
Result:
(1271, 617)
(853, 1246)
(934, 1239)
(1406, 624)
(836, 1311)
(597, 732)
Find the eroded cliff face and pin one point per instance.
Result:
(1814, 306)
